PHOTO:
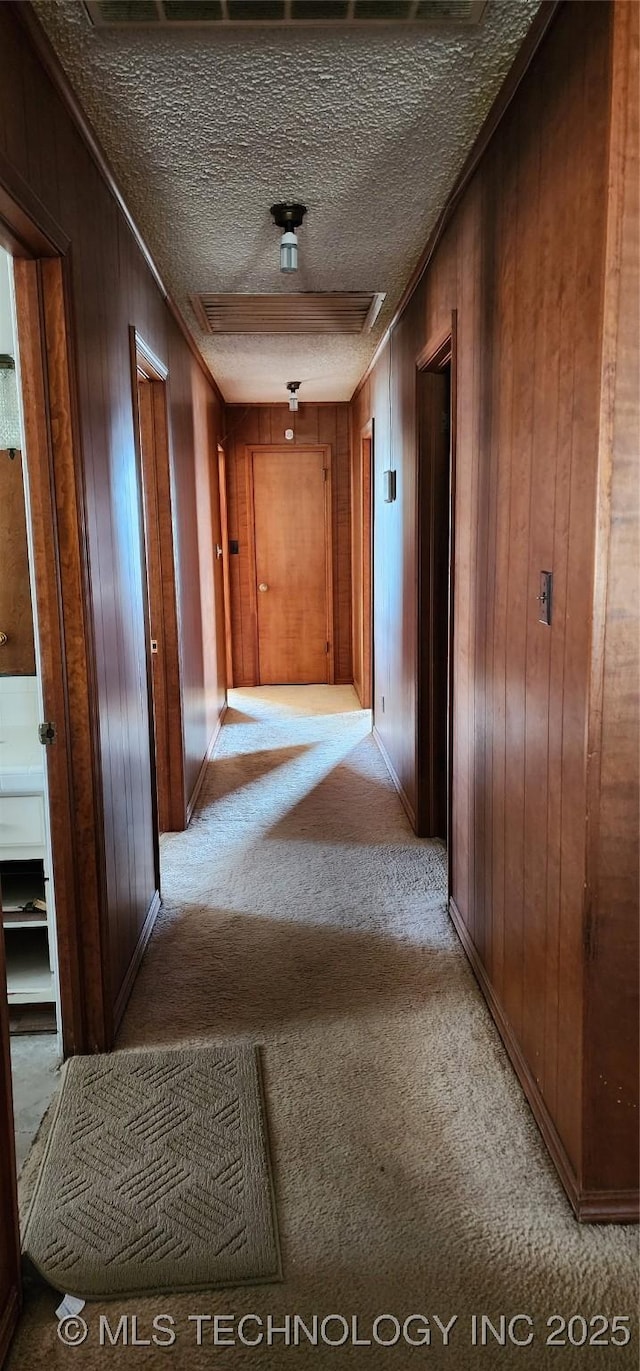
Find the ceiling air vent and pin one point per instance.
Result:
(236, 13)
(351, 312)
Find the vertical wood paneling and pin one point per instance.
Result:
(522, 263)
(611, 1077)
(254, 424)
(111, 288)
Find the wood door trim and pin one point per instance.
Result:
(328, 555)
(453, 376)
(147, 361)
(366, 435)
(251, 551)
(27, 229)
(154, 480)
(62, 575)
(226, 571)
(439, 352)
(147, 626)
(325, 449)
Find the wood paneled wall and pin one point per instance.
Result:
(523, 264)
(613, 890)
(111, 288)
(254, 424)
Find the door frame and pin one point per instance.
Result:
(226, 570)
(65, 634)
(46, 366)
(366, 516)
(264, 448)
(439, 353)
(157, 544)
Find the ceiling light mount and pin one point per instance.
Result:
(288, 216)
(293, 387)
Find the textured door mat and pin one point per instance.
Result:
(155, 1176)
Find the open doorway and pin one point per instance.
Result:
(75, 993)
(26, 866)
(163, 649)
(435, 491)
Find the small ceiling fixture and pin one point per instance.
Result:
(292, 387)
(288, 217)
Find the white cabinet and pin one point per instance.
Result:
(23, 846)
(23, 836)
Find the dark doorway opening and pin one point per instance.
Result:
(163, 650)
(435, 487)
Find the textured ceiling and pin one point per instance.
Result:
(206, 130)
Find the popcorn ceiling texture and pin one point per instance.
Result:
(205, 130)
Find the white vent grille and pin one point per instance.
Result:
(352, 312)
(231, 13)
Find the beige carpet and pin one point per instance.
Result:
(302, 913)
(155, 1175)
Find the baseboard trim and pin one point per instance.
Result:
(195, 794)
(134, 964)
(9, 1322)
(588, 1206)
(609, 1206)
(406, 803)
(538, 1107)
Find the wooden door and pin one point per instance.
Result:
(10, 1283)
(291, 499)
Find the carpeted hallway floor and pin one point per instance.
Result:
(301, 913)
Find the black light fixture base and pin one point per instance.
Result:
(293, 386)
(288, 216)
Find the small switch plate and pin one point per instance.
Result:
(545, 598)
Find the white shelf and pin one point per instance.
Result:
(21, 919)
(29, 978)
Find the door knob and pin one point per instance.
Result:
(4, 638)
(263, 586)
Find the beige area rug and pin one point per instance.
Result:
(302, 913)
(155, 1176)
